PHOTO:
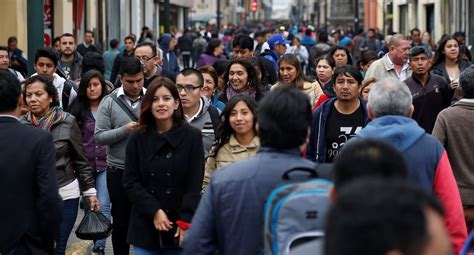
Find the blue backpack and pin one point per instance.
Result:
(295, 213)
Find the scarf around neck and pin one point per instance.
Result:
(52, 117)
(230, 92)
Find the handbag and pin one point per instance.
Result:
(94, 226)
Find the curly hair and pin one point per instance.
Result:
(252, 77)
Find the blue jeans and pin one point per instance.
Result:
(143, 251)
(71, 206)
(104, 200)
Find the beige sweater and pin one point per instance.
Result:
(312, 89)
(228, 153)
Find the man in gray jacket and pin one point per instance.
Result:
(230, 216)
(116, 118)
(197, 110)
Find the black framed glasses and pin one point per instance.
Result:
(187, 87)
(144, 58)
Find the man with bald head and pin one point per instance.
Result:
(394, 63)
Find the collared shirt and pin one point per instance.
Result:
(9, 116)
(403, 75)
(133, 104)
(190, 119)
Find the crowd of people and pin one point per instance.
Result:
(179, 140)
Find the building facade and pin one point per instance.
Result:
(106, 18)
(439, 17)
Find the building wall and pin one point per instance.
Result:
(13, 13)
(449, 16)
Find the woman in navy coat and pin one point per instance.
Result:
(163, 174)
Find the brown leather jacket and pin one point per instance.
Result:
(71, 162)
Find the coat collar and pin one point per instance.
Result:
(8, 119)
(253, 144)
(173, 137)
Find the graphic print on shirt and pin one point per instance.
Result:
(340, 128)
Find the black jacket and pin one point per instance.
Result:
(162, 171)
(270, 74)
(185, 43)
(440, 69)
(31, 208)
(76, 67)
(83, 50)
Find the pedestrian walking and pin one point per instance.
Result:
(164, 167)
(237, 136)
(290, 72)
(31, 208)
(116, 119)
(72, 167)
(92, 90)
(230, 217)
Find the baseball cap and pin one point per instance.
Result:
(277, 39)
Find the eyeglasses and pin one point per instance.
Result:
(188, 88)
(144, 58)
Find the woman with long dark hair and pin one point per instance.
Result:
(290, 72)
(241, 78)
(92, 90)
(236, 137)
(72, 167)
(448, 61)
(164, 167)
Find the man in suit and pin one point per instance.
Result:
(30, 205)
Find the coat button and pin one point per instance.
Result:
(168, 191)
(152, 174)
(168, 155)
(155, 157)
(152, 191)
(168, 173)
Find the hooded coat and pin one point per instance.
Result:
(427, 164)
(170, 61)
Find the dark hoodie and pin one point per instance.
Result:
(75, 70)
(428, 166)
(170, 61)
(316, 149)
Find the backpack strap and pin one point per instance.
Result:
(214, 113)
(67, 87)
(123, 106)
